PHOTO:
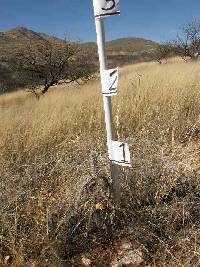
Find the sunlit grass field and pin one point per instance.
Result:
(52, 150)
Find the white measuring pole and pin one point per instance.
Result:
(103, 66)
(107, 105)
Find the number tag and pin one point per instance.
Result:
(119, 153)
(109, 80)
(104, 8)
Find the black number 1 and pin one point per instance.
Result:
(124, 154)
(111, 7)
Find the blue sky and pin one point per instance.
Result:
(152, 19)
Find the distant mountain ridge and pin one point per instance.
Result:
(120, 51)
(127, 50)
(128, 44)
(20, 35)
(23, 33)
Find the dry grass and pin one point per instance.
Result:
(53, 158)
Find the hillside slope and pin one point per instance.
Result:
(120, 51)
(127, 50)
(17, 37)
(54, 170)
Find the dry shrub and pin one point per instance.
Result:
(54, 168)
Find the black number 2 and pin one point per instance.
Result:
(111, 74)
(111, 7)
(124, 153)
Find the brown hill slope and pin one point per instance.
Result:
(19, 36)
(127, 50)
(120, 51)
(130, 45)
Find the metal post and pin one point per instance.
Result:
(107, 105)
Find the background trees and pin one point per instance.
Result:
(162, 52)
(4, 77)
(187, 44)
(7, 79)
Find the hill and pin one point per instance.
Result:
(127, 46)
(19, 36)
(131, 45)
(127, 50)
(120, 51)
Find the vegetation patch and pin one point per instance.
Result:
(54, 190)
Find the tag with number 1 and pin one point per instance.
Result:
(119, 153)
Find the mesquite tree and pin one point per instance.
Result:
(51, 63)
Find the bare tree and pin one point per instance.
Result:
(187, 44)
(162, 52)
(51, 63)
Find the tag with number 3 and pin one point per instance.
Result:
(104, 8)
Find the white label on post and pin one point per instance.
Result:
(119, 153)
(109, 80)
(103, 8)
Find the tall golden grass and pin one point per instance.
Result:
(52, 151)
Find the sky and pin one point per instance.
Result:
(158, 20)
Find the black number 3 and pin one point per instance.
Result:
(111, 7)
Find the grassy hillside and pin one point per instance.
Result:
(53, 166)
